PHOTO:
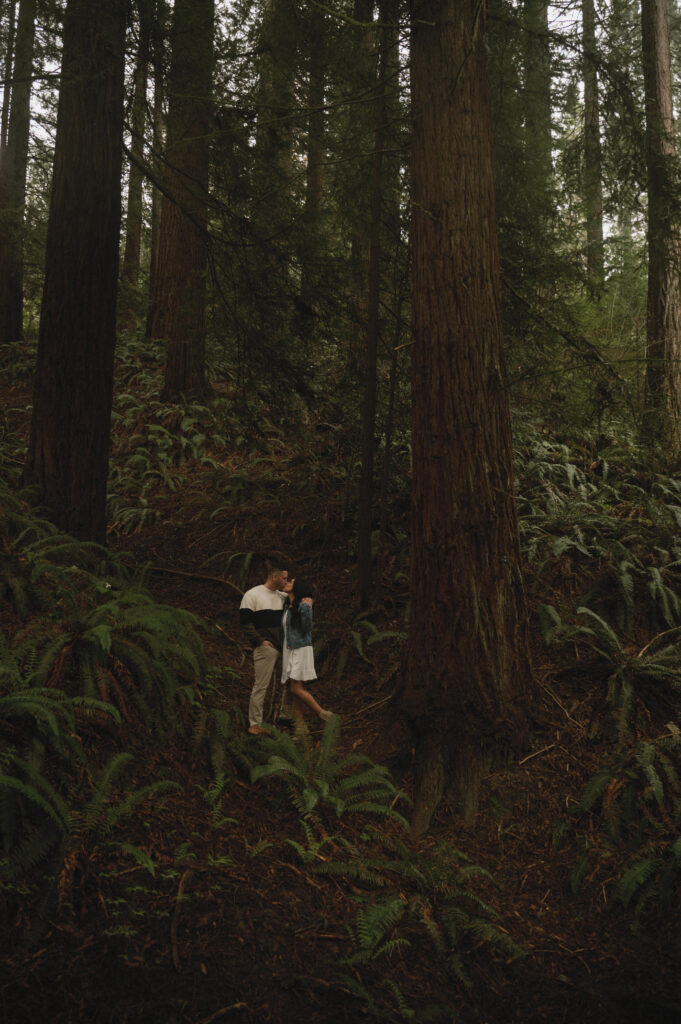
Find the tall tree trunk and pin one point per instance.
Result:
(662, 418)
(69, 443)
(133, 221)
(276, 165)
(538, 87)
(362, 83)
(179, 303)
(158, 39)
(7, 91)
(467, 663)
(538, 165)
(366, 487)
(13, 167)
(593, 193)
(316, 83)
(401, 286)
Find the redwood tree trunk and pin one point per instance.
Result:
(133, 221)
(362, 81)
(158, 39)
(13, 166)
(179, 303)
(69, 443)
(467, 664)
(6, 92)
(310, 257)
(365, 503)
(593, 193)
(663, 357)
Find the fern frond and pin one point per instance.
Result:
(90, 817)
(636, 878)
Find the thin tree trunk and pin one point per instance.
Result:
(133, 221)
(386, 465)
(69, 442)
(157, 145)
(662, 418)
(362, 82)
(366, 487)
(538, 164)
(310, 270)
(7, 91)
(13, 168)
(467, 661)
(593, 193)
(179, 303)
(275, 159)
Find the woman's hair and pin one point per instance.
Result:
(301, 589)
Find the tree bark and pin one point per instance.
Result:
(158, 40)
(13, 168)
(362, 82)
(179, 303)
(662, 415)
(69, 443)
(310, 258)
(538, 163)
(276, 165)
(593, 193)
(133, 221)
(7, 91)
(366, 487)
(467, 666)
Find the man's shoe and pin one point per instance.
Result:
(258, 730)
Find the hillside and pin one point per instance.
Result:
(219, 898)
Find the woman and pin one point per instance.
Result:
(298, 656)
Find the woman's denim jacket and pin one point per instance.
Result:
(299, 637)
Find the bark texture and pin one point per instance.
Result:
(158, 41)
(467, 663)
(179, 302)
(662, 421)
(69, 443)
(593, 191)
(365, 510)
(133, 221)
(13, 167)
(537, 97)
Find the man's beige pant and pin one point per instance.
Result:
(264, 660)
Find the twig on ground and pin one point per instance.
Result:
(536, 754)
(369, 707)
(566, 713)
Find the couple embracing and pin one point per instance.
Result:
(276, 617)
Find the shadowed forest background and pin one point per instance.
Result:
(387, 294)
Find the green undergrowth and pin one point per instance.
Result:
(601, 528)
(85, 654)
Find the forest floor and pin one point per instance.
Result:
(235, 926)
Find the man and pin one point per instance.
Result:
(260, 617)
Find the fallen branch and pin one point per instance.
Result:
(536, 754)
(190, 575)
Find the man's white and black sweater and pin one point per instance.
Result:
(260, 615)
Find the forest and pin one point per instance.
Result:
(387, 295)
